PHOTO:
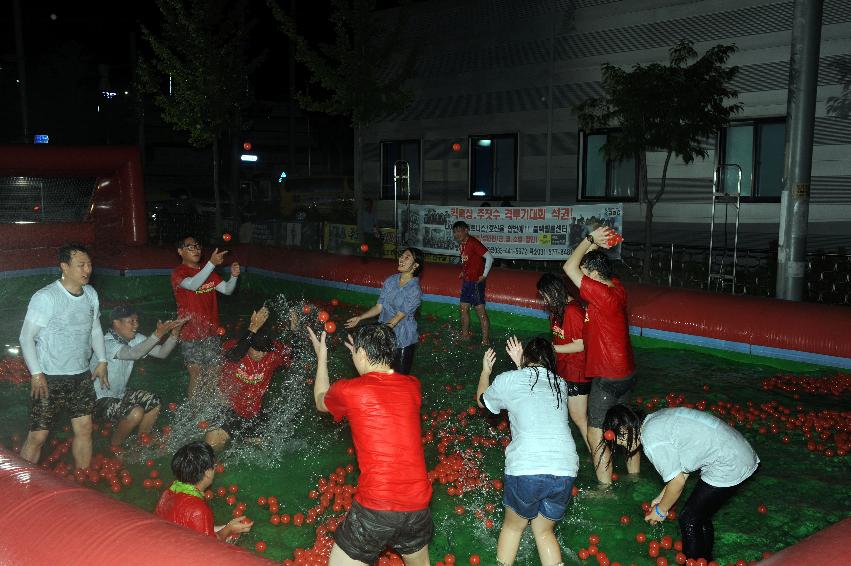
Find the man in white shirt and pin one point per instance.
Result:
(61, 331)
(126, 408)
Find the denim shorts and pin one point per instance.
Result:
(473, 292)
(543, 494)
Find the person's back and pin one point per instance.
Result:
(541, 441)
(187, 510)
(393, 475)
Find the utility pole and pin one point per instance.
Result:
(800, 120)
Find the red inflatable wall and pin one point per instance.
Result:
(118, 203)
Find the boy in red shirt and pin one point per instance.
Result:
(195, 291)
(183, 502)
(476, 263)
(609, 361)
(567, 322)
(383, 408)
(249, 365)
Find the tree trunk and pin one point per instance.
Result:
(216, 189)
(648, 219)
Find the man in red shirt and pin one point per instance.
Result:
(195, 292)
(476, 263)
(391, 506)
(183, 502)
(609, 360)
(249, 365)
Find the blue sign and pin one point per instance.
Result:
(42, 138)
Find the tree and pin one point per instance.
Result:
(361, 75)
(198, 73)
(672, 108)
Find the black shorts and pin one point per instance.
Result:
(605, 394)
(575, 389)
(112, 409)
(73, 393)
(238, 426)
(366, 533)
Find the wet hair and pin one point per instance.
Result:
(68, 250)
(124, 310)
(419, 259)
(597, 261)
(377, 340)
(183, 238)
(191, 461)
(554, 292)
(538, 354)
(262, 340)
(627, 419)
(461, 224)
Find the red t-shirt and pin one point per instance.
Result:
(608, 352)
(200, 306)
(384, 414)
(570, 367)
(245, 382)
(187, 511)
(472, 258)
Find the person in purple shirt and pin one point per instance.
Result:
(397, 304)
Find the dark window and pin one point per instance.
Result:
(605, 179)
(758, 148)
(393, 151)
(493, 167)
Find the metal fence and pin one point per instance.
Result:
(671, 265)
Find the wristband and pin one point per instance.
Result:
(656, 508)
(590, 238)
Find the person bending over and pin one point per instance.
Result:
(397, 306)
(609, 362)
(679, 442)
(391, 505)
(540, 462)
(183, 502)
(129, 409)
(195, 291)
(246, 375)
(567, 321)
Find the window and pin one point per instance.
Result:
(493, 167)
(759, 149)
(602, 178)
(393, 151)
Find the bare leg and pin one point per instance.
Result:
(600, 455)
(31, 450)
(577, 406)
(548, 549)
(81, 448)
(485, 322)
(340, 558)
(418, 558)
(465, 321)
(126, 426)
(149, 420)
(194, 378)
(509, 537)
(217, 439)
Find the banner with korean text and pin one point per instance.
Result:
(509, 232)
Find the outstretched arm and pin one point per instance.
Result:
(374, 311)
(228, 287)
(572, 348)
(194, 283)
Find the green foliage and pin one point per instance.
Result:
(671, 108)
(201, 47)
(362, 74)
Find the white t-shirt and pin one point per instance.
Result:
(64, 342)
(119, 370)
(541, 442)
(685, 440)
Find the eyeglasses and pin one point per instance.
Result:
(193, 247)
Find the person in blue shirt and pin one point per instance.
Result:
(397, 304)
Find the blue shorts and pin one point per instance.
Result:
(543, 494)
(473, 293)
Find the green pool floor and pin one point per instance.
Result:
(803, 491)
